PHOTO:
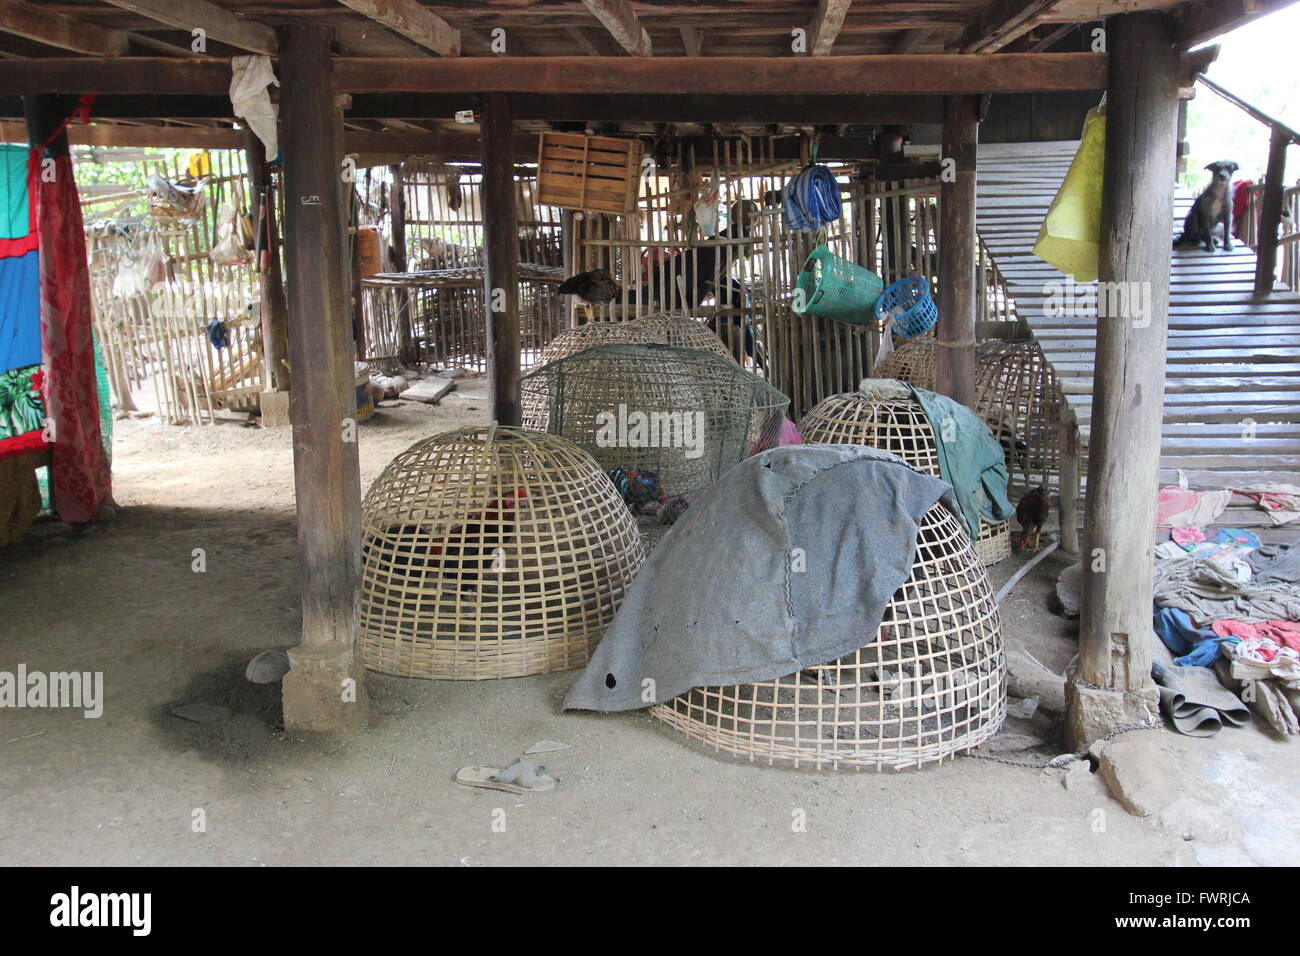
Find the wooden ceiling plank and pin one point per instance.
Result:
(909, 40)
(412, 20)
(580, 37)
(1199, 23)
(1001, 23)
(56, 29)
(692, 39)
(826, 25)
(618, 17)
(217, 22)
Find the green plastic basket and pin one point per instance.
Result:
(831, 287)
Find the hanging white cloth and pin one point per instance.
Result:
(251, 100)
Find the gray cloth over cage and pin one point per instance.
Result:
(722, 599)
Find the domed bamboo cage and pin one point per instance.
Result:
(572, 341)
(899, 426)
(491, 552)
(686, 414)
(929, 684)
(1016, 392)
(679, 329)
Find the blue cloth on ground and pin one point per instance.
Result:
(1197, 646)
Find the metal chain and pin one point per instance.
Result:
(1061, 760)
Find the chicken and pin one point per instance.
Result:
(1032, 511)
(464, 552)
(596, 287)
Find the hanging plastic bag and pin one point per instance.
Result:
(706, 212)
(130, 279)
(229, 248)
(1071, 229)
(153, 262)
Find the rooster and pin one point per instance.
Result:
(596, 287)
(465, 550)
(1032, 511)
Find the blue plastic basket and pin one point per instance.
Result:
(909, 302)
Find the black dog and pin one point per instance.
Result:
(1212, 207)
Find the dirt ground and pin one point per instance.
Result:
(126, 788)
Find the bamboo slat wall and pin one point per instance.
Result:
(742, 284)
(444, 231)
(152, 330)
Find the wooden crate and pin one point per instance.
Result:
(593, 173)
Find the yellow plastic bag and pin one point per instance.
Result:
(1072, 228)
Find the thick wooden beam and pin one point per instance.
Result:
(324, 688)
(1201, 22)
(501, 260)
(133, 74)
(622, 23)
(955, 335)
(692, 40)
(870, 109)
(909, 40)
(275, 309)
(753, 76)
(412, 20)
(1112, 684)
(1270, 212)
(458, 146)
(740, 76)
(1001, 23)
(59, 30)
(217, 22)
(826, 25)
(579, 36)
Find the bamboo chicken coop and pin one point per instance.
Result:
(898, 426)
(491, 552)
(929, 684)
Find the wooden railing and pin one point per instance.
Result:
(1267, 222)
(1288, 242)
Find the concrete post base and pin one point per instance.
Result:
(324, 690)
(1092, 712)
(275, 409)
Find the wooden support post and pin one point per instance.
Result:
(1068, 502)
(569, 259)
(397, 218)
(324, 689)
(1112, 683)
(955, 335)
(1270, 213)
(274, 311)
(501, 259)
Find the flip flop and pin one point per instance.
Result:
(487, 778)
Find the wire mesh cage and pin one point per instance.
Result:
(1016, 392)
(929, 684)
(491, 552)
(679, 329)
(899, 426)
(684, 414)
(574, 340)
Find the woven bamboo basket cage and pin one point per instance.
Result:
(573, 341)
(899, 426)
(929, 684)
(679, 329)
(1016, 392)
(491, 552)
(687, 415)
